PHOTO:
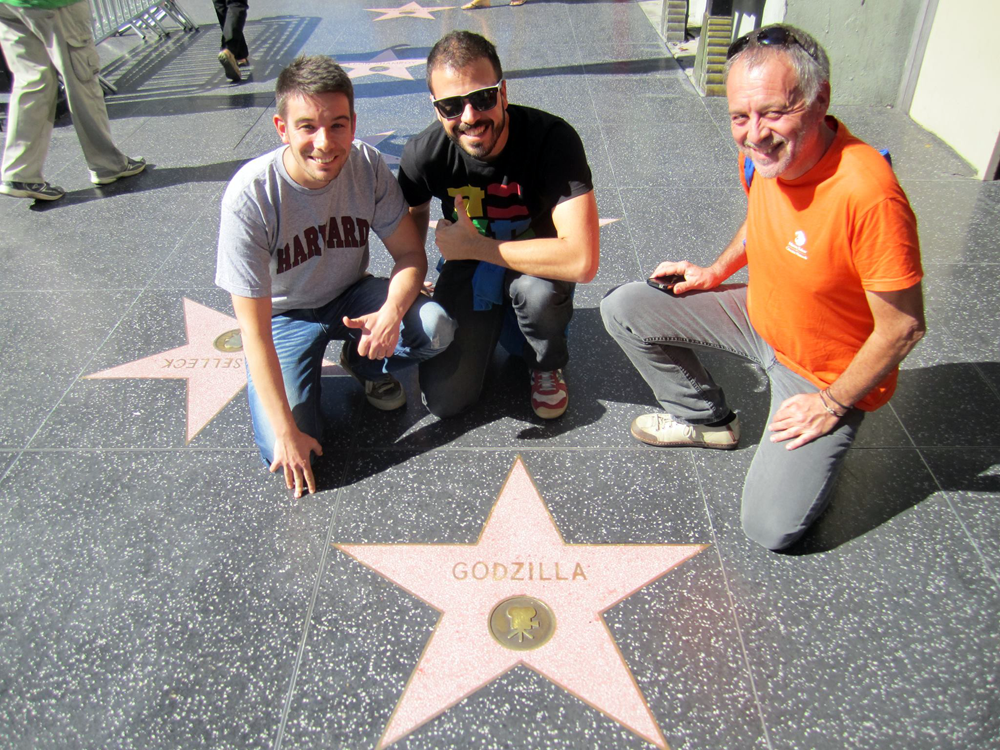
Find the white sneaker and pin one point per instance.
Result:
(665, 430)
(132, 167)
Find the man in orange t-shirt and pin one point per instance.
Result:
(833, 302)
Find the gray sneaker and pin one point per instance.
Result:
(665, 430)
(133, 167)
(40, 191)
(386, 395)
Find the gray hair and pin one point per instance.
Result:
(807, 58)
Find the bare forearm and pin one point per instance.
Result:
(254, 318)
(572, 255)
(262, 361)
(421, 219)
(733, 258)
(404, 285)
(899, 325)
(545, 258)
(876, 358)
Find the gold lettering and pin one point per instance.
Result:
(516, 570)
(168, 362)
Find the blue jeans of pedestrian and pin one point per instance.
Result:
(301, 337)
(785, 491)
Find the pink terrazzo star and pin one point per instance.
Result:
(521, 552)
(385, 63)
(211, 362)
(375, 140)
(410, 10)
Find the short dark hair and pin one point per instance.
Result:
(311, 75)
(458, 49)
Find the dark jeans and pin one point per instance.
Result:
(453, 380)
(232, 15)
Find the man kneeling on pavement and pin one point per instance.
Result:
(520, 230)
(293, 253)
(833, 302)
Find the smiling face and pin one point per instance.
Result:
(319, 131)
(771, 121)
(482, 135)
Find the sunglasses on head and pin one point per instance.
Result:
(773, 36)
(482, 100)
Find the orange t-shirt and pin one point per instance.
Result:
(815, 245)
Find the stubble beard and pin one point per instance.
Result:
(485, 149)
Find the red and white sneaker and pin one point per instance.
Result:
(549, 397)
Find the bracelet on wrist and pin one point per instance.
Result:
(830, 396)
(829, 409)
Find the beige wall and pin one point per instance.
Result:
(957, 96)
(867, 42)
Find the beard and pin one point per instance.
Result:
(488, 141)
(765, 166)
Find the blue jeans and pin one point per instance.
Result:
(785, 491)
(301, 337)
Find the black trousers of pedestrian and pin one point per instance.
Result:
(232, 16)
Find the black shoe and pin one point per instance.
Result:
(40, 191)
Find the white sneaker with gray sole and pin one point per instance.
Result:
(664, 429)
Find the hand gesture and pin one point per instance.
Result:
(801, 419)
(292, 454)
(455, 238)
(696, 278)
(379, 333)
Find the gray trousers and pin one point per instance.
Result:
(453, 380)
(38, 42)
(785, 491)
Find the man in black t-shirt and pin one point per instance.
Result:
(520, 227)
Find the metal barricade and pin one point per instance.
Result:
(113, 17)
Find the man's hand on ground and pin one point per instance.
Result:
(801, 419)
(455, 239)
(292, 454)
(379, 333)
(696, 278)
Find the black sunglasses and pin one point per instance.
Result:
(773, 36)
(482, 100)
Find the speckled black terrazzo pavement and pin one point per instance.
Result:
(157, 592)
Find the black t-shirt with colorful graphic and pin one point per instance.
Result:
(542, 164)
